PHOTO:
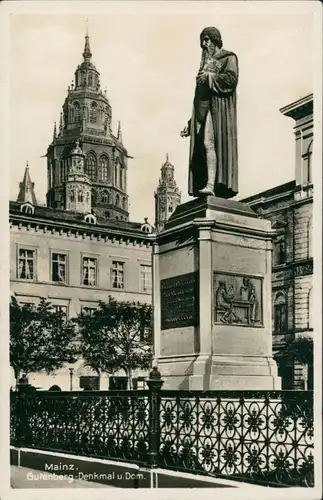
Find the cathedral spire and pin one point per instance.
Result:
(119, 136)
(87, 50)
(26, 189)
(54, 132)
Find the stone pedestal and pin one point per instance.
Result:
(212, 298)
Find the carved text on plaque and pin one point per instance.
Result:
(179, 301)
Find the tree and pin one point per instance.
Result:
(117, 336)
(40, 338)
(300, 349)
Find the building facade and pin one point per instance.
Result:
(290, 207)
(81, 248)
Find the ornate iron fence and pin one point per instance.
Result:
(264, 437)
(101, 424)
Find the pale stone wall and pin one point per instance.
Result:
(302, 231)
(74, 295)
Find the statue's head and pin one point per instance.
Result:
(210, 38)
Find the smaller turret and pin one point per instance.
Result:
(167, 195)
(78, 185)
(26, 189)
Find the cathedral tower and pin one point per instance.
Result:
(86, 116)
(167, 195)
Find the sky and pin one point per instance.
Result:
(148, 63)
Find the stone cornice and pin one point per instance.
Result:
(215, 226)
(81, 230)
(300, 108)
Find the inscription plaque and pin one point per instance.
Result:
(179, 301)
(303, 268)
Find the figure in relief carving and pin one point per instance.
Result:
(224, 303)
(238, 299)
(213, 163)
(248, 294)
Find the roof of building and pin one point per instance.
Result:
(56, 216)
(272, 192)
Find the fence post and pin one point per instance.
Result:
(154, 385)
(19, 419)
(23, 392)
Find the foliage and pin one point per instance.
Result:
(117, 336)
(40, 338)
(300, 349)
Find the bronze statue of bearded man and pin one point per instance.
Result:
(213, 161)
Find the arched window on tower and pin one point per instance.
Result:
(80, 197)
(91, 167)
(104, 168)
(116, 172)
(93, 112)
(280, 313)
(121, 177)
(90, 80)
(105, 197)
(117, 200)
(76, 111)
(124, 203)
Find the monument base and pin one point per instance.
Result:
(212, 298)
(218, 373)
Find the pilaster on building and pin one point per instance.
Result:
(86, 117)
(167, 195)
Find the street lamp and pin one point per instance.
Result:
(71, 370)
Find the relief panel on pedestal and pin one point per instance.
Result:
(237, 299)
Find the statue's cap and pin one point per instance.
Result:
(212, 32)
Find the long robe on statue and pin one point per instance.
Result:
(216, 97)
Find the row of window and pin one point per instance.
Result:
(281, 313)
(105, 198)
(279, 246)
(87, 78)
(89, 270)
(93, 113)
(105, 172)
